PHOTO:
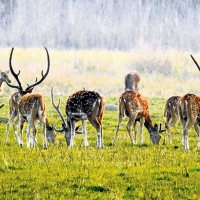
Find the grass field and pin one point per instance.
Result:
(122, 171)
(116, 172)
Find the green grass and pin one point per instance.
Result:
(116, 172)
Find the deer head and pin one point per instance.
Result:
(4, 77)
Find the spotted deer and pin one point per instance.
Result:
(132, 80)
(81, 106)
(135, 107)
(25, 106)
(189, 111)
(171, 115)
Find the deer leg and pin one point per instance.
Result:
(85, 133)
(10, 121)
(196, 127)
(43, 123)
(190, 122)
(128, 126)
(117, 129)
(98, 127)
(135, 131)
(141, 130)
(72, 134)
(171, 123)
(28, 136)
(20, 135)
(185, 140)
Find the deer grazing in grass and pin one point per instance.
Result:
(25, 106)
(171, 115)
(132, 80)
(81, 106)
(135, 107)
(189, 111)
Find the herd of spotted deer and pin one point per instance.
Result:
(89, 105)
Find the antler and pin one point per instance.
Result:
(160, 129)
(57, 109)
(195, 62)
(19, 87)
(43, 75)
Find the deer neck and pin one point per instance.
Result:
(148, 124)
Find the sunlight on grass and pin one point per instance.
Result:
(123, 171)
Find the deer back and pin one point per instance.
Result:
(133, 102)
(84, 104)
(189, 105)
(171, 107)
(32, 105)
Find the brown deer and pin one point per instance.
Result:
(189, 111)
(171, 115)
(132, 80)
(82, 105)
(28, 107)
(135, 107)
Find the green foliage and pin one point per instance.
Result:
(122, 171)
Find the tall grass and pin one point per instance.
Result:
(116, 172)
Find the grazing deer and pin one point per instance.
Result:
(189, 111)
(4, 77)
(82, 105)
(171, 115)
(28, 107)
(132, 80)
(135, 107)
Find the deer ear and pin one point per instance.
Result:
(156, 126)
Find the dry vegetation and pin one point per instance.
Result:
(163, 74)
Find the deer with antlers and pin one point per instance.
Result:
(189, 111)
(135, 107)
(81, 106)
(25, 106)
